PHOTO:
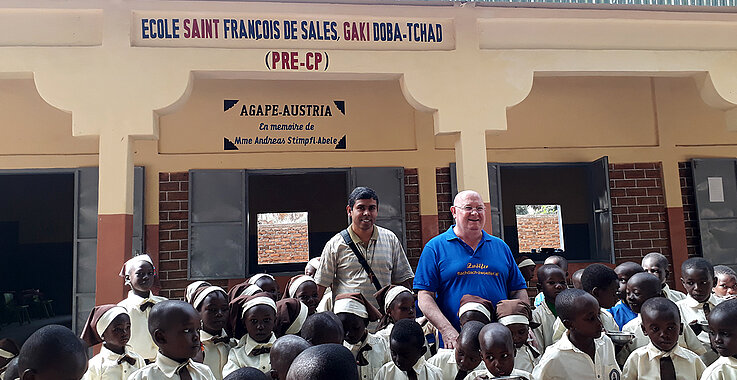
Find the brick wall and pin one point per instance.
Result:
(445, 200)
(412, 216)
(690, 215)
(282, 243)
(173, 230)
(537, 231)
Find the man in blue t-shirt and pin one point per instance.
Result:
(465, 260)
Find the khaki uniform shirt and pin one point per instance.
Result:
(673, 295)
(725, 368)
(216, 355)
(524, 359)
(485, 372)
(445, 359)
(692, 310)
(423, 369)
(644, 363)
(606, 319)
(564, 361)
(376, 357)
(165, 368)
(104, 366)
(140, 341)
(546, 319)
(340, 269)
(240, 356)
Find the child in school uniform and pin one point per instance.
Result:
(475, 308)
(370, 351)
(662, 358)
(497, 351)
(52, 352)
(656, 264)
(211, 302)
(583, 352)
(456, 363)
(257, 314)
(726, 282)
(640, 288)
(396, 303)
(724, 340)
(407, 350)
(111, 326)
(551, 281)
(601, 282)
(174, 327)
(139, 273)
(621, 311)
(561, 263)
(8, 351)
(697, 276)
(515, 314)
(303, 288)
(290, 316)
(526, 267)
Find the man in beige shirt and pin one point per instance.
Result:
(339, 267)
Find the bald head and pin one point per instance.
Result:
(324, 362)
(284, 351)
(464, 196)
(495, 334)
(469, 336)
(168, 313)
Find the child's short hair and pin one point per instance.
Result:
(247, 373)
(317, 325)
(546, 270)
(723, 270)
(470, 333)
(698, 263)
(646, 280)
(629, 266)
(659, 258)
(326, 361)
(407, 330)
(164, 312)
(49, 346)
(661, 304)
(597, 276)
(728, 308)
(566, 302)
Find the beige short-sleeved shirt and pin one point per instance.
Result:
(485, 372)
(725, 368)
(105, 366)
(140, 341)
(216, 354)
(341, 270)
(692, 310)
(376, 357)
(240, 356)
(423, 369)
(564, 361)
(644, 363)
(673, 295)
(165, 368)
(524, 360)
(445, 359)
(546, 319)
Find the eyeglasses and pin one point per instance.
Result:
(479, 209)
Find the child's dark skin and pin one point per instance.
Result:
(551, 283)
(607, 296)
(520, 333)
(354, 327)
(467, 355)
(624, 272)
(141, 277)
(497, 349)
(641, 288)
(402, 307)
(307, 294)
(528, 272)
(723, 333)
(117, 334)
(585, 326)
(269, 286)
(698, 283)
(662, 327)
(406, 354)
(259, 321)
(214, 312)
(179, 338)
(69, 366)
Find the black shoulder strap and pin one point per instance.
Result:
(347, 239)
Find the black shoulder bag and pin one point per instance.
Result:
(347, 239)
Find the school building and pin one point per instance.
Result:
(222, 138)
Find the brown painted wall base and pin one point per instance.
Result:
(114, 246)
(429, 227)
(678, 246)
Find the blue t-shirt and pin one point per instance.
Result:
(622, 314)
(450, 268)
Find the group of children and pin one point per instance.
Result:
(254, 332)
